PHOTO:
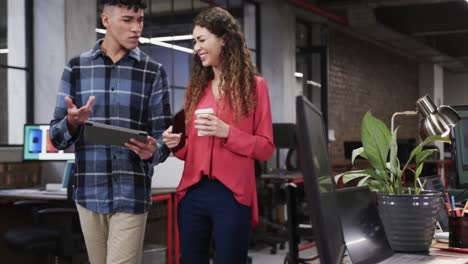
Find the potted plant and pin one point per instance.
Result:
(408, 214)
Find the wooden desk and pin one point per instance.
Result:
(158, 194)
(32, 194)
(435, 256)
(438, 254)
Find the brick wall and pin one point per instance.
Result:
(362, 77)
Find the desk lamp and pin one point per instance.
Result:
(436, 120)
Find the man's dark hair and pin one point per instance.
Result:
(135, 4)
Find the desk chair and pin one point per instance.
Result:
(54, 230)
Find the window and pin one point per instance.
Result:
(14, 70)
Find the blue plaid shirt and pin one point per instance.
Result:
(131, 93)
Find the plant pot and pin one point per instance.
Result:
(409, 220)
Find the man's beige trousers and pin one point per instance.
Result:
(113, 238)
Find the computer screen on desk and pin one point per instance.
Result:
(460, 146)
(318, 183)
(37, 145)
(363, 231)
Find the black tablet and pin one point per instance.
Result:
(102, 134)
(179, 122)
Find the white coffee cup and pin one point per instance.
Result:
(198, 112)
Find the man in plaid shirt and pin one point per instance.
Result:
(117, 84)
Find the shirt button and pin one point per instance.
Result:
(115, 157)
(112, 88)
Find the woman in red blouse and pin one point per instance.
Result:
(217, 192)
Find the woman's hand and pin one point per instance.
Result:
(171, 140)
(144, 150)
(210, 125)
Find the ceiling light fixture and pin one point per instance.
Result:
(166, 45)
(4, 51)
(299, 74)
(316, 84)
(159, 41)
(176, 38)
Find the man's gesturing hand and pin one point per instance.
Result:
(77, 116)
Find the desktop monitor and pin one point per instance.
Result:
(362, 228)
(68, 173)
(319, 185)
(460, 146)
(37, 145)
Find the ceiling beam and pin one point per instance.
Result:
(439, 32)
(448, 18)
(337, 4)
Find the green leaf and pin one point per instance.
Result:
(384, 179)
(421, 156)
(349, 176)
(363, 181)
(375, 137)
(358, 152)
(338, 177)
(380, 175)
(378, 186)
(418, 171)
(345, 175)
(428, 140)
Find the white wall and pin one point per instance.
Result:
(49, 55)
(62, 29)
(278, 57)
(16, 78)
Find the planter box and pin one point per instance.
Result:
(409, 220)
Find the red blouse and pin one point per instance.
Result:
(231, 159)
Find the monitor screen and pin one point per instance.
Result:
(363, 231)
(68, 173)
(460, 146)
(37, 145)
(318, 183)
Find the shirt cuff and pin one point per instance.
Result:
(63, 128)
(160, 155)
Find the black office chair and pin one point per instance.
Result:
(54, 230)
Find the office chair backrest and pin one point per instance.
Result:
(284, 137)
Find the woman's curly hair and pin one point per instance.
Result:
(237, 84)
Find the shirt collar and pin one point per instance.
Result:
(133, 53)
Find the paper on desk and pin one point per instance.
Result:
(423, 259)
(53, 186)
